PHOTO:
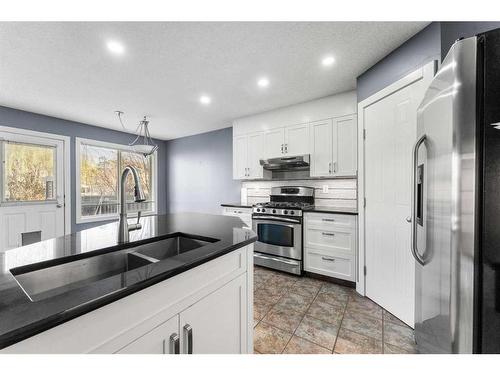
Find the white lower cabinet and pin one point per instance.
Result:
(330, 245)
(216, 324)
(244, 213)
(205, 310)
(164, 339)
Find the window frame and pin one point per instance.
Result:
(121, 148)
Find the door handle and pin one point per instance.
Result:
(414, 245)
(174, 347)
(408, 219)
(59, 205)
(188, 339)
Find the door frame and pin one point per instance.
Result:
(426, 73)
(66, 167)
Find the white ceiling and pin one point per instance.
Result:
(65, 70)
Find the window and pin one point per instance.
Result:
(99, 167)
(29, 172)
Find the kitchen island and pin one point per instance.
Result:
(183, 284)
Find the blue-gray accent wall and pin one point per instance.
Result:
(431, 43)
(31, 121)
(200, 172)
(421, 48)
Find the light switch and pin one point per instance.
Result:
(325, 189)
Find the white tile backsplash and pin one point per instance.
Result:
(341, 192)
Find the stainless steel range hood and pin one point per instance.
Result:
(287, 163)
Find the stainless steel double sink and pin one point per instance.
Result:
(48, 281)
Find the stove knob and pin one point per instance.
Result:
(285, 212)
(258, 209)
(263, 210)
(292, 212)
(274, 211)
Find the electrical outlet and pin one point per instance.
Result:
(325, 189)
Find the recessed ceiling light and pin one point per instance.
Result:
(204, 99)
(263, 82)
(328, 61)
(115, 47)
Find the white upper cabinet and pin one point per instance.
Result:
(321, 148)
(274, 141)
(255, 152)
(240, 151)
(345, 142)
(297, 139)
(324, 128)
(334, 147)
(247, 152)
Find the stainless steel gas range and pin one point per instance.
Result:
(278, 224)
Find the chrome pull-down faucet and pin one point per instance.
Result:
(124, 227)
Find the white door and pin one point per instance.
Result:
(32, 189)
(274, 140)
(390, 125)
(161, 340)
(321, 148)
(345, 133)
(297, 139)
(255, 153)
(240, 150)
(218, 323)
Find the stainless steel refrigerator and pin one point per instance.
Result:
(456, 202)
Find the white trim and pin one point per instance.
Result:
(117, 146)
(67, 165)
(426, 73)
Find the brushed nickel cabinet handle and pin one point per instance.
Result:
(174, 346)
(188, 338)
(325, 219)
(328, 234)
(328, 259)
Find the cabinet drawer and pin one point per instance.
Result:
(331, 241)
(330, 221)
(237, 211)
(333, 266)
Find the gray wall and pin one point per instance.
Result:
(451, 31)
(32, 121)
(423, 47)
(432, 43)
(200, 172)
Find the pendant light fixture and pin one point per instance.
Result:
(143, 143)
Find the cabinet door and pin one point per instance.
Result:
(255, 153)
(345, 146)
(321, 141)
(240, 153)
(218, 323)
(297, 139)
(274, 139)
(157, 341)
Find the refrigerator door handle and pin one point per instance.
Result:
(414, 247)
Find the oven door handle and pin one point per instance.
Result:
(283, 260)
(276, 218)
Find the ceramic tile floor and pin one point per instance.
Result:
(304, 315)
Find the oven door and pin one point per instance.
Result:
(278, 236)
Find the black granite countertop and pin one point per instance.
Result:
(20, 317)
(236, 205)
(333, 210)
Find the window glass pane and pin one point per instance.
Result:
(99, 180)
(143, 166)
(29, 173)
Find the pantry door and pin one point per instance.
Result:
(33, 181)
(389, 120)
